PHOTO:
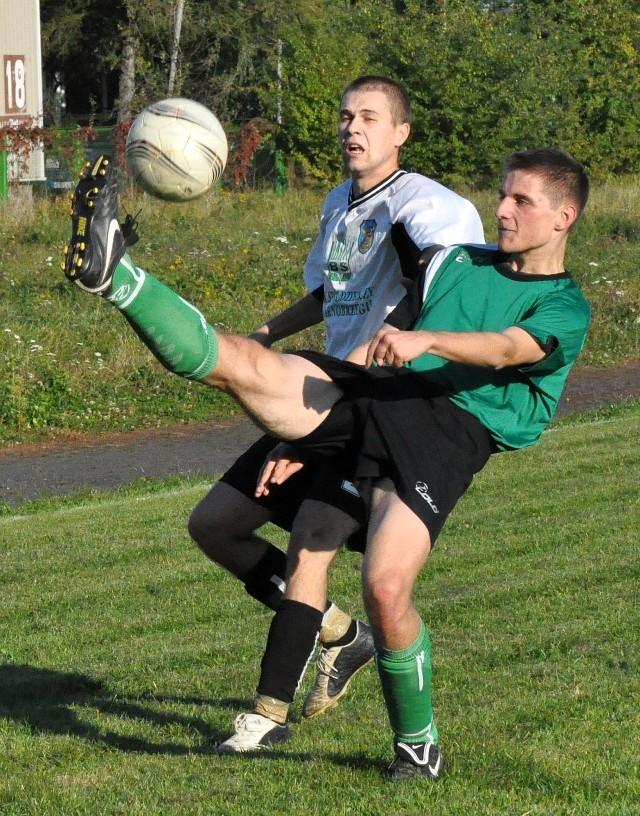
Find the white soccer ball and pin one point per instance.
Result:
(176, 149)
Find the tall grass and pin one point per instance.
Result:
(70, 364)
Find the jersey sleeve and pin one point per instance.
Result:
(559, 323)
(433, 214)
(313, 271)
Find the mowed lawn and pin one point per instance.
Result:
(125, 656)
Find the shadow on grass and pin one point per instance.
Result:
(60, 703)
(56, 702)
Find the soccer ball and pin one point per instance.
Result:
(176, 149)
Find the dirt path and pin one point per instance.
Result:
(207, 449)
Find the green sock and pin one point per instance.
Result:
(174, 330)
(405, 675)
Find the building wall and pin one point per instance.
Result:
(21, 63)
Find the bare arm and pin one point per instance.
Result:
(300, 315)
(511, 347)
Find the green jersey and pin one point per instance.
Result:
(472, 289)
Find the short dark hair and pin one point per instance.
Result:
(399, 101)
(564, 177)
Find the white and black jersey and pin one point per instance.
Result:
(368, 244)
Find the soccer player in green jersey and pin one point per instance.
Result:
(472, 362)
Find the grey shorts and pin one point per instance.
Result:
(395, 423)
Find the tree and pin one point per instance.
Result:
(82, 39)
(485, 77)
(325, 51)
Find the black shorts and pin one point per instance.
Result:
(395, 423)
(320, 479)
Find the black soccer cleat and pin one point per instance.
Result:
(337, 666)
(98, 241)
(415, 761)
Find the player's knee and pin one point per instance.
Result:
(208, 530)
(385, 598)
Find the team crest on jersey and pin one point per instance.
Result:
(367, 234)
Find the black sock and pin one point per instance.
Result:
(265, 582)
(292, 639)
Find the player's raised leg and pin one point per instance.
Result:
(284, 394)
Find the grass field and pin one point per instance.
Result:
(125, 657)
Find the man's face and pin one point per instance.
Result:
(527, 218)
(369, 138)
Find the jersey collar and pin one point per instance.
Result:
(504, 268)
(382, 185)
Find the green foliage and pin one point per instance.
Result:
(69, 146)
(125, 657)
(486, 83)
(596, 50)
(485, 77)
(317, 66)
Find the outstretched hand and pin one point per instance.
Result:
(283, 461)
(393, 347)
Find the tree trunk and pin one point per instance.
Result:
(127, 85)
(175, 50)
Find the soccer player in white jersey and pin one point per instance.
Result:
(372, 230)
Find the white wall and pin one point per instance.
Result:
(21, 64)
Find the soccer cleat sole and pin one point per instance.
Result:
(83, 199)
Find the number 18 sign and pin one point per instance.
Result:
(15, 97)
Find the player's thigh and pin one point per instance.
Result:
(321, 527)
(285, 393)
(226, 511)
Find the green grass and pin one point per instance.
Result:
(125, 656)
(71, 365)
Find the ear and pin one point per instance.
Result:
(566, 217)
(402, 133)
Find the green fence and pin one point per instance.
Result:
(4, 176)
